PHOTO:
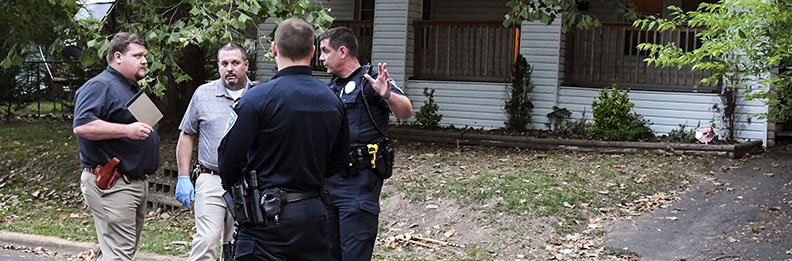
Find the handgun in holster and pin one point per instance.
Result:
(244, 201)
(107, 174)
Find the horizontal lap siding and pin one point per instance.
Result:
(540, 45)
(390, 38)
(264, 69)
(478, 105)
(339, 10)
(666, 110)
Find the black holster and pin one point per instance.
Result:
(274, 199)
(228, 252)
(385, 159)
(244, 201)
(360, 158)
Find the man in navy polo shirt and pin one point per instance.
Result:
(292, 131)
(105, 129)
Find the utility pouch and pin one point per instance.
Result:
(352, 165)
(383, 164)
(106, 175)
(273, 201)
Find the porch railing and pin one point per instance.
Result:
(364, 32)
(605, 55)
(465, 51)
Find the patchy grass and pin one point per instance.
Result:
(169, 235)
(509, 203)
(519, 193)
(536, 184)
(40, 194)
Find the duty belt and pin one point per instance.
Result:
(297, 196)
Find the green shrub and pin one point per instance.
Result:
(614, 118)
(518, 106)
(682, 134)
(428, 116)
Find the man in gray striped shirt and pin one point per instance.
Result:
(205, 120)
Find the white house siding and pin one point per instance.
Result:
(666, 110)
(540, 44)
(265, 69)
(467, 10)
(339, 9)
(390, 37)
(464, 104)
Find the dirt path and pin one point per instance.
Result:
(741, 214)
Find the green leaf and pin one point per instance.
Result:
(87, 60)
(182, 78)
(6, 63)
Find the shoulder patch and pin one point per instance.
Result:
(231, 120)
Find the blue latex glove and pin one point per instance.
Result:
(185, 191)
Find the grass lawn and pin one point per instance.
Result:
(509, 190)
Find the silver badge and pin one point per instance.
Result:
(350, 86)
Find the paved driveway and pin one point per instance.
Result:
(742, 214)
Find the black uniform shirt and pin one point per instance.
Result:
(292, 130)
(104, 97)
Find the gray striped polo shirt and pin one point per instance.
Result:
(207, 115)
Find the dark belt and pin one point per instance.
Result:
(128, 177)
(297, 196)
(208, 170)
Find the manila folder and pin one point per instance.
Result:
(144, 109)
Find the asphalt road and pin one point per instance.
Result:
(13, 255)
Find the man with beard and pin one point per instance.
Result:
(205, 120)
(107, 130)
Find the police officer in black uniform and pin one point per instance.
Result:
(369, 96)
(292, 131)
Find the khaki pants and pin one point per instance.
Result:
(213, 223)
(118, 214)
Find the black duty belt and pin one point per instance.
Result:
(297, 196)
(208, 170)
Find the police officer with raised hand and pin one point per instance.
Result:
(369, 96)
(106, 130)
(205, 121)
(292, 132)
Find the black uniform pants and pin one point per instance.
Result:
(299, 234)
